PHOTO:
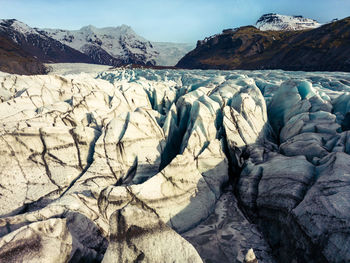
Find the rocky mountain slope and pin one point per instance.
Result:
(15, 60)
(109, 46)
(279, 22)
(114, 46)
(326, 48)
(39, 45)
(188, 166)
(119, 46)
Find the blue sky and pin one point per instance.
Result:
(166, 20)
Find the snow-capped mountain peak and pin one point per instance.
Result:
(34, 42)
(112, 46)
(18, 26)
(120, 43)
(278, 22)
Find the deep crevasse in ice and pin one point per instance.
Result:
(94, 166)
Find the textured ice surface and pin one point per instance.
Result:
(76, 68)
(85, 156)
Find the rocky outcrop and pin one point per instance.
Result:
(13, 59)
(191, 166)
(321, 49)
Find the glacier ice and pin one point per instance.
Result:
(95, 165)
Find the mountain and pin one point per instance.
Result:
(326, 48)
(13, 59)
(119, 46)
(278, 22)
(39, 45)
(170, 53)
(113, 46)
(23, 49)
(109, 46)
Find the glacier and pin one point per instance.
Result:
(120, 165)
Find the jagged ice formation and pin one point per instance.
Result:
(189, 166)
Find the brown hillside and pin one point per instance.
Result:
(326, 48)
(14, 60)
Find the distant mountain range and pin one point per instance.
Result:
(276, 42)
(114, 46)
(119, 46)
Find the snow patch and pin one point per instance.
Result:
(278, 22)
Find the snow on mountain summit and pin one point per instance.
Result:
(17, 26)
(277, 22)
(120, 43)
(113, 46)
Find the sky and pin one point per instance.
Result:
(183, 21)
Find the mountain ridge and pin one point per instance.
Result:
(16, 60)
(121, 43)
(326, 48)
(113, 46)
(39, 45)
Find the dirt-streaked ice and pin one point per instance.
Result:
(110, 164)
